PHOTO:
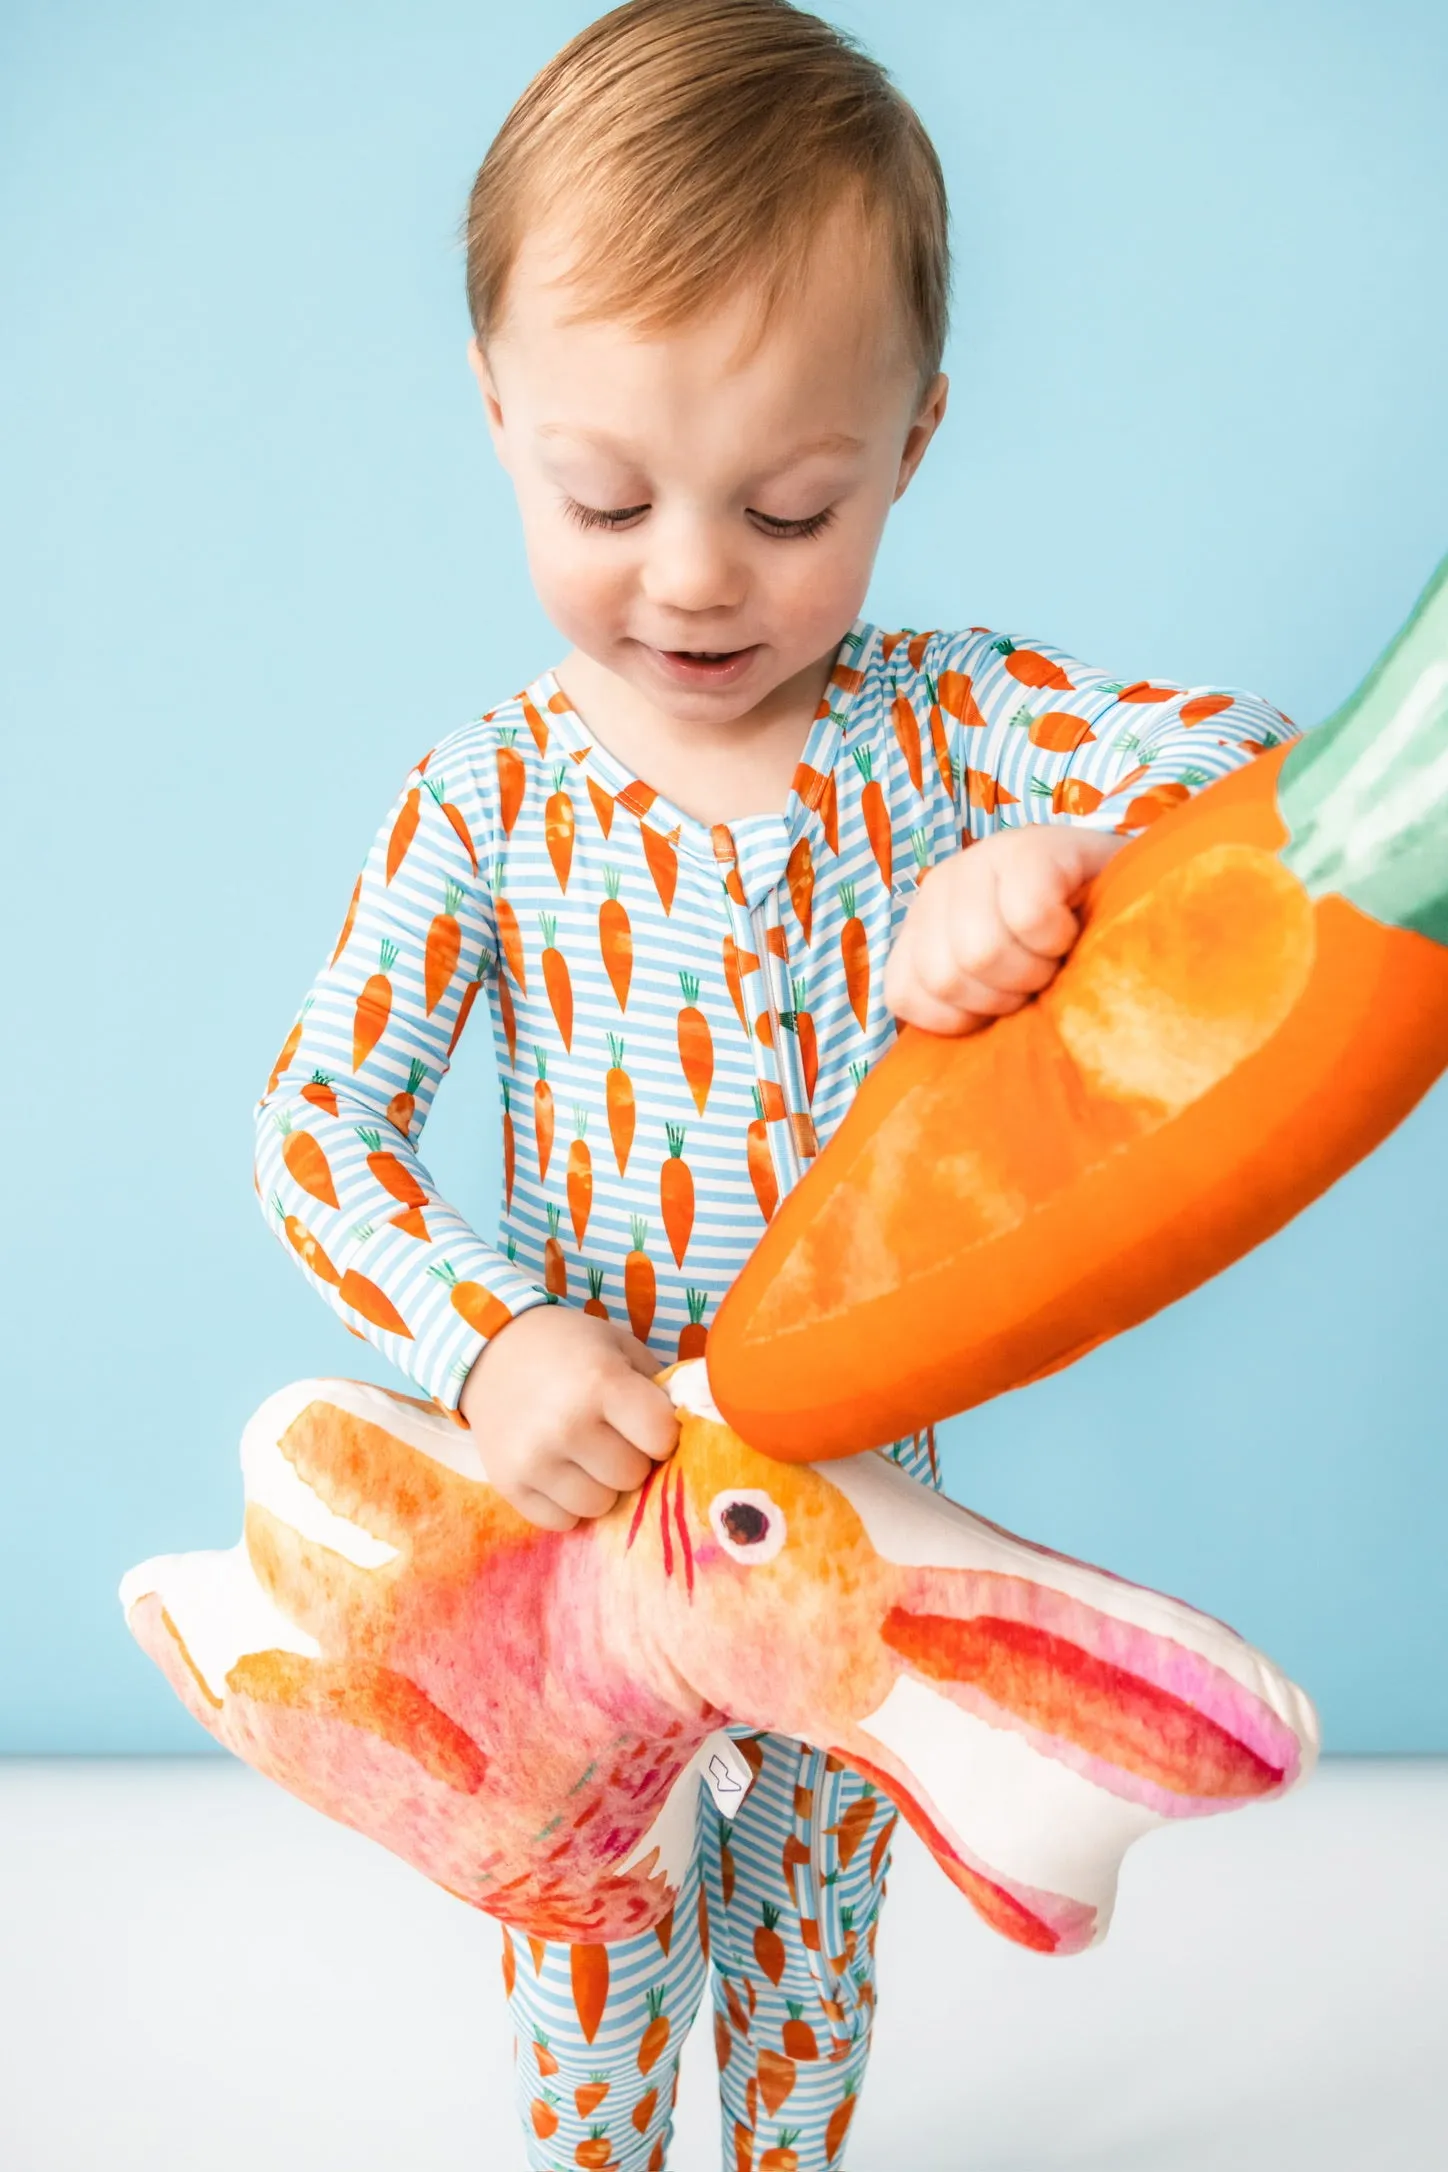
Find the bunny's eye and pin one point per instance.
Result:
(748, 1525)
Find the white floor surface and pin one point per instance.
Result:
(199, 1975)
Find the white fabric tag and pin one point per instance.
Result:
(726, 1772)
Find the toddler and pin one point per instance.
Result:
(696, 871)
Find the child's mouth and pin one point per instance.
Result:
(706, 667)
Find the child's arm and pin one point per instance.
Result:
(1055, 766)
(337, 1167)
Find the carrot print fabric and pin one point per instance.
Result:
(681, 1014)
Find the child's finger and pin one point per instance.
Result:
(537, 1508)
(604, 1455)
(642, 1413)
(1031, 896)
(572, 1488)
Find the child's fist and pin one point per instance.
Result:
(992, 925)
(566, 1414)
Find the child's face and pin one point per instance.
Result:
(713, 470)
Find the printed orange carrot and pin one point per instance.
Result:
(782, 2156)
(743, 2147)
(543, 2113)
(595, 2152)
(655, 2040)
(637, 797)
(643, 2111)
(853, 1826)
(412, 1222)
(305, 1245)
(777, 2076)
(590, 2094)
(306, 1161)
(906, 726)
(889, 642)
(920, 853)
(347, 923)
(761, 1161)
(640, 1291)
(511, 1147)
(797, 2037)
(543, 1113)
(472, 1301)
(939, 742)
(1028, 667)
(769, 1946)
(818, 790)
(800, 1022)
(694, 1336)
(1056, 730)
(703, 1921)
(556, 979)
(662, 855)
(287, 1050)
(440, 952)
(320, 1091)
(470, 997)
(543, 2052)
(374, 1006)
(956, 694)
(579, 1183)
(365, 1297)
(615, 939)
(855, 953)
(536, 723)
(404, 829)
(847, 678)
(619, 1102)
(837, 2126)
(737, 963)
(985, 790)
(588, 1966)
(510, 1962)
(664, 1931)
(403, 1106)
(876, 815)
(776, 942)
(881, 1846)
(454, 817)
(696, 1043)
(512, 777)
(558, 827)
(594, 1303)
(727, 1872)
(1202, 706)
(510, 935)
(602, 804)
(1071, 796)
(509, 1016)
(1141, 690)
(799, 874)
(764, 1027)
(555, 1267)
(676, 1194)
(394, 1176)
(1158, 801)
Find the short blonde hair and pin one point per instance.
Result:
(696, 147)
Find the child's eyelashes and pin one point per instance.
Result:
(588, 516)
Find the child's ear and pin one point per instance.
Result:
(927, 421)
(492, 405)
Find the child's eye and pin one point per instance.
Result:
(588, 516)
(812, 525)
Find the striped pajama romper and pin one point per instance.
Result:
(681, 1015)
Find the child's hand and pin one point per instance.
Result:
(566, 1414)
(992, 925)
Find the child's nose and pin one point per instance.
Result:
(693, 566)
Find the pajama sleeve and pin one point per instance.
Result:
(338, 1173)
(1039, 736)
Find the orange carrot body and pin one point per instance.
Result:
(558, 828)
(543, 1114)
(365, 1297)
(907, 732)
(512, 779)
(676, 1194)
(737, 963)
(455, 818)
(537, 725)
(615, 939)
(761, 1162)
(1202, 706)
(956, 695)
(655, 2039)
(320, 1091)
(1059, 732)
(640, 1289)
(556, 980)
(589, 1967)
(855, 954)
(799, 873)
(308, 1164)
(694, 1336)
(347, 923)
(507, 1012)
(404, 829)
(696, 1043)
(579, 1184)
(662, 856)
(306, 1247)
(285, 1054)
(374, 1007)
(876, 816)
(440, 953)
(618, 1097)
(465, 1008)
(602, 804)
(510, 1147)
(403, 1107)
(1028, 667)
(472, 1302)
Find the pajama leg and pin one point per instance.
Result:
(794, 1888)
(599, 2031)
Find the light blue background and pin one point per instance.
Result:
(258, 558)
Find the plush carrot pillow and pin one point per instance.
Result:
(1259, 994)
(396, 1646)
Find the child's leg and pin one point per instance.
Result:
(794, 1888)
(599, 2031)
